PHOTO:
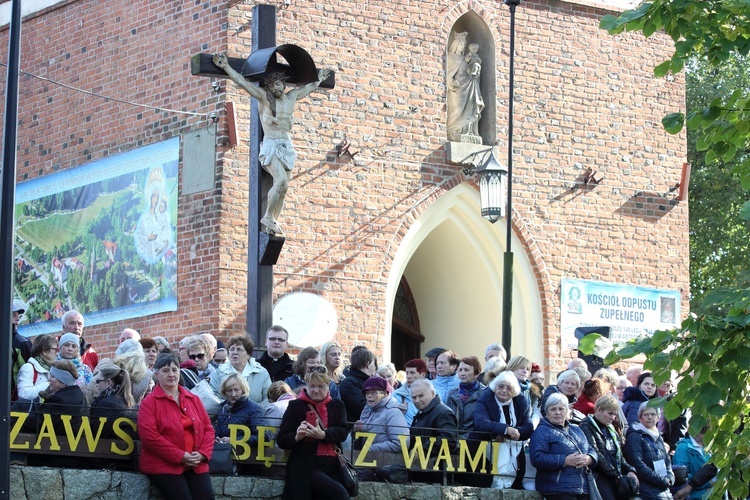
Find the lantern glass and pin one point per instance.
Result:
(493, 189)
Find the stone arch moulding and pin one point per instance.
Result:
(478, 28)
(459, 208)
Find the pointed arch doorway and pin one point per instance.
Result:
(406, 338)
(452, 260)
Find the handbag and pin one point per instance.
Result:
(221, 460)
(593, 488)
(211, 403)
(627, 487)
(348, 474)
(680, 475)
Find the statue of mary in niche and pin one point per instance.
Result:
(465, 103)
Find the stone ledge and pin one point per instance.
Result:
(47, 483)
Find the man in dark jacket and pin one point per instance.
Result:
(433, 419)
(275, 360)
(350, 390)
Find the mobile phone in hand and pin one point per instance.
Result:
(312, 418)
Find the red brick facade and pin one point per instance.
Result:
(583, 99)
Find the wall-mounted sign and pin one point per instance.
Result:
(629, 311)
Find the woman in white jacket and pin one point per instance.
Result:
(33, 376)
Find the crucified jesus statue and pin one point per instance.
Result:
(276, 151)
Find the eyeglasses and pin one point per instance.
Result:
(504, 387)
(100, 380)
(319, 369)
(197, 356)
(276, 339)
(237, 349)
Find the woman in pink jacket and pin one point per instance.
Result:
(176, 436)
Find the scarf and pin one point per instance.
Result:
(42, 362)
(653, 433)
(109, 391)
(608, 431)
(466, 390)
(321, 407)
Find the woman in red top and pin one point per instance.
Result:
(312, 470)
(176, 436)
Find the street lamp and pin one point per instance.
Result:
(493, 186)
(495, 182)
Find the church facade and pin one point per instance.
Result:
(381, 221)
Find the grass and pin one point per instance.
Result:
(58, 229)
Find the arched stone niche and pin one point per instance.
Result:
(478, 32)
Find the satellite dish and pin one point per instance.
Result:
(310, 319)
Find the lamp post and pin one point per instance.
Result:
(495, 181)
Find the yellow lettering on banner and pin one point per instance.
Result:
(479, 458)
(124, 435)
(16, 430)
(84, 429)
(495, 452)
(417, 449)
(369, 438)
(234, 429)
(264, 444)
(47, 431)
(444, 454)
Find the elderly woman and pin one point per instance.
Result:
(561, 453)
(645, 451)
(502, 414)
(463, 399)
(199, 350)
(237, 409)
(177, 438)
(388, 372)
(313, 427)
(68, 349)
(308, 359)
(632, 398)
(130, 357)
(568, 384)
(383, 417)
(114, 399)
(150, 351)
(33, 377)
(240, 349)
(603, 438)
(331, 354)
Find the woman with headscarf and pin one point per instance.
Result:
(68, 349)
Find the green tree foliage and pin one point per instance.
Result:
(712, 350)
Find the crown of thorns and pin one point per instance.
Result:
(276, 76)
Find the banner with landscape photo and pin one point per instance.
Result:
(99, 238)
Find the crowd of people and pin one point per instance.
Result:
(602, 429)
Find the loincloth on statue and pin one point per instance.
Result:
(281, 149)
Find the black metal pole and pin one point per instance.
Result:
(508, 256)
(6, 229)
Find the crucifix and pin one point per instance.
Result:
(271, 151)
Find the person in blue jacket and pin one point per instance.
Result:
(491, 423)
(561, 454)
(645, 451)
(237, 409)
(632, 398)
(691, 454)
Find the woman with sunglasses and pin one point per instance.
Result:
(313, 427)
(114, 399)
(198, 351)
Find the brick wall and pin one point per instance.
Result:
(583, 99)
